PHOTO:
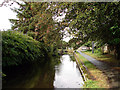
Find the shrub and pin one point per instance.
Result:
(18, 48)
(98, 50)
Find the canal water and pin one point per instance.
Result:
(60, 72)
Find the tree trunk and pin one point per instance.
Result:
(117, 50)
(117, 54)
(102, 49)
(108, 49)
(92, 46)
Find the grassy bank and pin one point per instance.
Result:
(102, 57)
(107, 58)
(100, 79)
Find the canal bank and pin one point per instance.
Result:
(93, 77)
(111, 74)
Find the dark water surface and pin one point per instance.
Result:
(52, 74)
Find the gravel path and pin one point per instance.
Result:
(113, 75)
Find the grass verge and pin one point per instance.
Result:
(100, 79)
(102, 57)
(107, 58)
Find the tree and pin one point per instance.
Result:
(96, 22)
(36, 20)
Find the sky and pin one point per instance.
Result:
(7, 13)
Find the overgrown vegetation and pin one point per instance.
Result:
(18, 49)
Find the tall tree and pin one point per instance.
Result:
(37, 19)
(94, 21)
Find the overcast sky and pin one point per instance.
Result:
(5, 14)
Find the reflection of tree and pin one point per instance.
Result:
(47, 76)
(31, 76)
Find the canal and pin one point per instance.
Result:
(60, 72)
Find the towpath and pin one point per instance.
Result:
(113, 75)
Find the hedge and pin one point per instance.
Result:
(18, 48)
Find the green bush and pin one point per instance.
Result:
(98, 50)
(18, 48)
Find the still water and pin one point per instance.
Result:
(52, 74)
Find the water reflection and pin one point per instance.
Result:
(68, 75)
(31, 76)
(48, 75)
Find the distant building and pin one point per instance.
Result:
(83, 48)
